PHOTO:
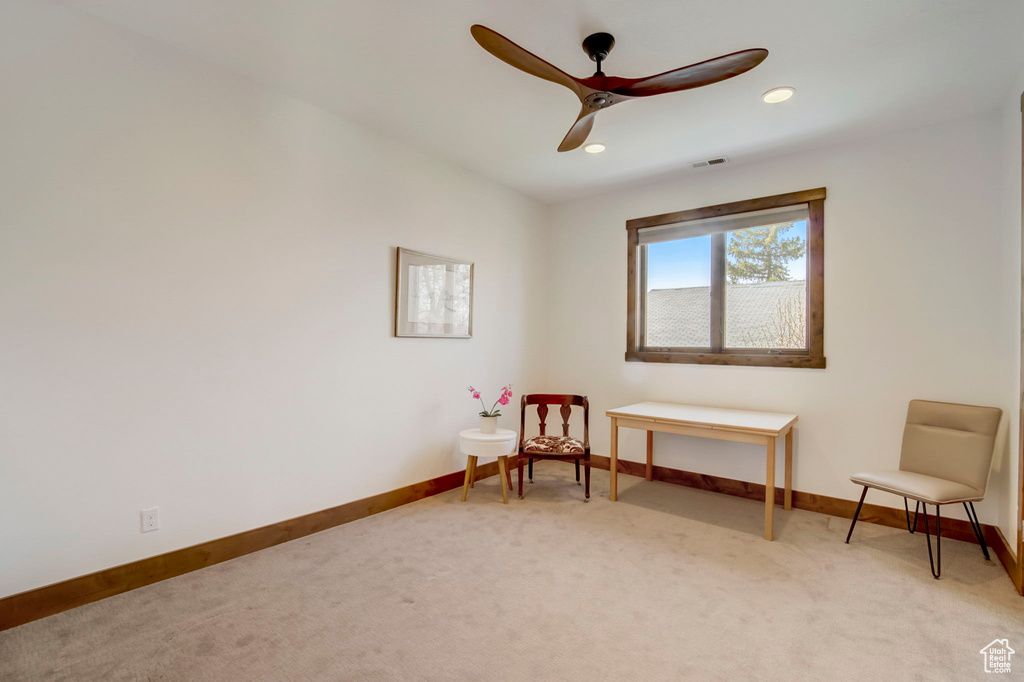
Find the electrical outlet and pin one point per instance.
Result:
(150, 519)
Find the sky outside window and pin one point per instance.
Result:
(679, 264)
(687, 262)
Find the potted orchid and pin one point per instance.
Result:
(489, 418)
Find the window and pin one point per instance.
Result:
(734, 284)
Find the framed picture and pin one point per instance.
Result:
(433, 296)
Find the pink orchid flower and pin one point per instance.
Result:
(506, 396)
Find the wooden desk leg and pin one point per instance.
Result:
(472, 471)
(650, 455)
(789, 470)
(502, 474)
(613, 469)
(769, 490)
(469, 476)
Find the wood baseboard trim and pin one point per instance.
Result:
(955, 529)
(48, 600)
(998, 544)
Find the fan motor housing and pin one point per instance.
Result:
(598, 45)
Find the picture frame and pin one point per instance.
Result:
(433, 296)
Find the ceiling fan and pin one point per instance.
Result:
(600, 91)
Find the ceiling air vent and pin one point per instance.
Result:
(718, 160)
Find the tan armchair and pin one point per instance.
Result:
(946, 456)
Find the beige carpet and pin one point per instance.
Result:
(667, 584)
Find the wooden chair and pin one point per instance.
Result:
(562, 448)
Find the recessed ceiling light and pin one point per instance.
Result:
(594, 148)
(776, 95)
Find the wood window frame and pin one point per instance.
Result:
(813, 357)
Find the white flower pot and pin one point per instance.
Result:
(488, 424)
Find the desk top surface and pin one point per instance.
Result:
(709, 417)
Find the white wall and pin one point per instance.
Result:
(196, 290)
(921, 270)
(1010, 142)
(196, 285)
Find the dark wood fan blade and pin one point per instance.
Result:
(694, 75)
(510, 53)
(577, 135)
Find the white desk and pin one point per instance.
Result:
(759, 428)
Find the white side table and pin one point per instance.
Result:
(500, 444)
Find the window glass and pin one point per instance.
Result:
(678, 293)
(766, 287)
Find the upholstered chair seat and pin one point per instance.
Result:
(920, 487)
(558, 444)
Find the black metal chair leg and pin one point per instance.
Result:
(937, 562)
(577, 472)
(976, 527)
(531, 471)
(917, 507)
(856, 514)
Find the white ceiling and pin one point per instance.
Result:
(412, 71)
